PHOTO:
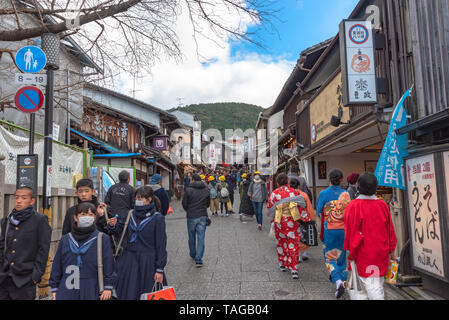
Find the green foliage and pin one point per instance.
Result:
(223, 116)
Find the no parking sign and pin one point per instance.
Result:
(29, 99)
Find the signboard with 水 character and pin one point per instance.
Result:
(358, 62)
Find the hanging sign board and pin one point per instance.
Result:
(358, 62)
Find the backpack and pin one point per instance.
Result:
(213, 193)
(224, 192)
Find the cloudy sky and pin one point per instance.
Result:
(232, 71)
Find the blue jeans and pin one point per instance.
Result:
(197, 232)
(258, 207)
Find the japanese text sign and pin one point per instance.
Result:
(391, 161)
(358, 62)
(424, 215)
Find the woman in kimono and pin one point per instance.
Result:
(295, 184)
(74, 273)
(334, 255)
(288, 207)
(144, 254)
(246, 206)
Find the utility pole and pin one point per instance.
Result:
(51, 47)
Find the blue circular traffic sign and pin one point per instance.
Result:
(29, 99)
(31, 59)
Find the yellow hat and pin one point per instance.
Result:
(211, 178)
(222, 178)
(244, 175)
(202, 176)
(257, 172)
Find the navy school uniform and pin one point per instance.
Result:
(144, 253)
(62, 274)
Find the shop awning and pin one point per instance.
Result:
(349, 138)
(96, 142)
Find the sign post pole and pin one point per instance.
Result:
(51, 47)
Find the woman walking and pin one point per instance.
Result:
(352, 188)
(335, 256)
(144, 255)
(258, 194)
(246, 207)
(288, 207)
(295, 184)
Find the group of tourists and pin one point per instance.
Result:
(110, 250)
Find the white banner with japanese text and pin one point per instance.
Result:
(424, 213)
(66, 162)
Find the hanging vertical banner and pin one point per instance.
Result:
(425, 221)
(197, 142)
(358, 62)
(389, 169)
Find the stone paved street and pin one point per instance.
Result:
(240, 263)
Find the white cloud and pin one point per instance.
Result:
(250, 78)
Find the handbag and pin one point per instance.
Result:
(355, 289)
(309, 233)
(229, 205)
(159, 292)
(100, 268)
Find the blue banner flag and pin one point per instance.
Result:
(391, 162)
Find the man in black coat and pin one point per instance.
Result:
(120, 197)
(195, 202)
(24, 247)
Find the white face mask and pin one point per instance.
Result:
(85, 221)
(139, 203)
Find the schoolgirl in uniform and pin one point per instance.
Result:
(144, 255)
(74, 273)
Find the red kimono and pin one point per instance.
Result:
(369, 236)
(288, 230)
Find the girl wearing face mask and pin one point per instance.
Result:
(144, 255)
(74, 273)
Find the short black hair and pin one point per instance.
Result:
(28, 189)
(294, 184)
(84, 207)
(85, 183)
(196, 177)
(124, 176)
(335, 176)
(367, 184)
(145, 192)
(282, 179)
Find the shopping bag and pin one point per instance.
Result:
(159, 292)
(272, 234)
(229, 204)
(170, 210)
(392, 273)
(355, 289)
(309, 233)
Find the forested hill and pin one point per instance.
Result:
(223, 116)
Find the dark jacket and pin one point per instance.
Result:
(120, 199)
(353, 192)
(27, 246)
(68, 219)
(196, 200)
(162, 194)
